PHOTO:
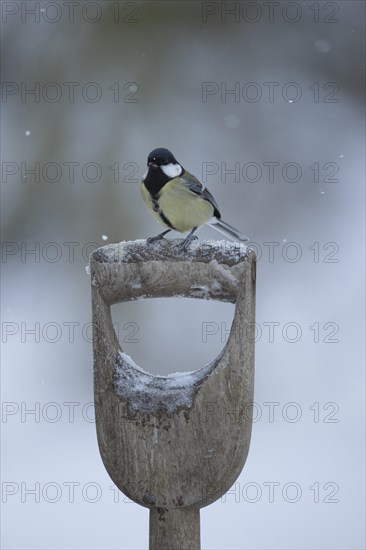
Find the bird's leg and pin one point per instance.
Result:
(150, 240)
(187, 241)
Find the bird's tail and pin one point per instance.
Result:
(228, 230)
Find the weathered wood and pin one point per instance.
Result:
(174, 443)
(174, 529)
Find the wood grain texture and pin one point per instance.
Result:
(174, 443)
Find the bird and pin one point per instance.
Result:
(179, 201)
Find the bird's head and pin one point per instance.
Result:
(162, 159)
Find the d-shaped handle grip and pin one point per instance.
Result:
(174, 443)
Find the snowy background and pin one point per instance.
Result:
(266, 106)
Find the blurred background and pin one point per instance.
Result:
(263, 101)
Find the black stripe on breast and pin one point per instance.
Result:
(157, 209)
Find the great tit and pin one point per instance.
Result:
(178, 200)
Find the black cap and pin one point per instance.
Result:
(161, 156)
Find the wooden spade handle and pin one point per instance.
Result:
(174, 443)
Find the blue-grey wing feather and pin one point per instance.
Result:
(196, 186)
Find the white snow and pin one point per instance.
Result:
(147, 394)
(224, 271)
(136, 284)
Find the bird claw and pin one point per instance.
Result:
(150, 240)
(187, 241)
(159, 237)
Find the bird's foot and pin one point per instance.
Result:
(182, 247)
(159, 237)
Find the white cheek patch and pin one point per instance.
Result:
(172, 170)
(144, 176)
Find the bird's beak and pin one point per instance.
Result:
(152, 165)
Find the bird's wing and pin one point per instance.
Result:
(194, 185)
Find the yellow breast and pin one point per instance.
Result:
(183, 208)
